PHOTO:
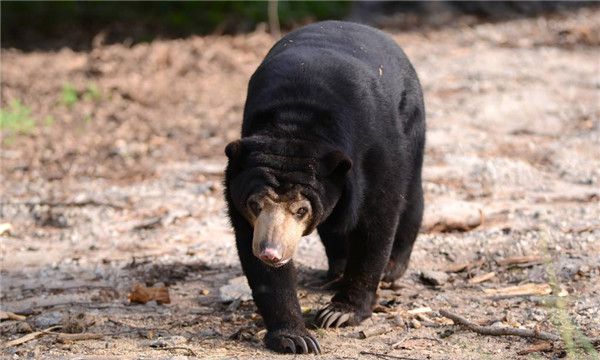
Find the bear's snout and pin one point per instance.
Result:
(270, 255)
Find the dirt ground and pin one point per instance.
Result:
(122, 185)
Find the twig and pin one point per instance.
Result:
(499, 331)
(274, 19)
(516, 260)
(29, 337)
(190, 351)
(11, 316)
(63, 337)
(456, 268)
(386, 356)
(520, 290)
(75, 203)
(482, 278)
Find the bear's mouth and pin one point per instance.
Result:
(279, 263)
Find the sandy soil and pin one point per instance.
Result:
(124, 187)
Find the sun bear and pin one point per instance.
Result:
(332, 140)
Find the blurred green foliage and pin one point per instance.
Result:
(16, 119)
(68, 95)
(21, 20)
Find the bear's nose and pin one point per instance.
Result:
(270, 255)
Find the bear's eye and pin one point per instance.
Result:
(301, 212)
(254, 207)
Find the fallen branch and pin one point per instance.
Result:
(29, 337)
(64, 337)
(499, 331)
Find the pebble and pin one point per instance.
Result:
(236, 289)
(435, 278)
(45, 320)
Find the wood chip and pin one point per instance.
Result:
(456, 268)
(141, 294)
(373, 331)
(521, 290)
(517, 260)
(537, 347)
(420, 310)
(7, 315)
(5, 229)
(29, 337)
(482, 278)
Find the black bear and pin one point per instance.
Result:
(332, 139)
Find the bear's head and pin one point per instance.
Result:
(284, 189)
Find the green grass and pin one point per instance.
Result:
(16, 119)
(68, 95)
(92, 93)
(577, 345)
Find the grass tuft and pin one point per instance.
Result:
(16, 119)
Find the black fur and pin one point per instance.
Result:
(335, 110)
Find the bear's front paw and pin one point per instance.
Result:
(339, 314)
(292, 341)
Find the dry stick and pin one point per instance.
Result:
(82, 203)
(273, 16)
(11, 316)
(500, 331)
(386, 356)
(190, 351)
(29, 337)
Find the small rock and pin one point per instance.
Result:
(45, 320)
(23, 327)
(435, 278)
(237, 288)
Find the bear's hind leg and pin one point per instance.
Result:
(406, 234)
(336, 248)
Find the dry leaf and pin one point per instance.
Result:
(141, 294)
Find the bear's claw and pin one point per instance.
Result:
(287, 342)
(334, 316)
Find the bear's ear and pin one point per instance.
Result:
(336, 163)
(233, 149)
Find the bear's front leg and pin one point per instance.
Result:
(274, 292)
(370, 246)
